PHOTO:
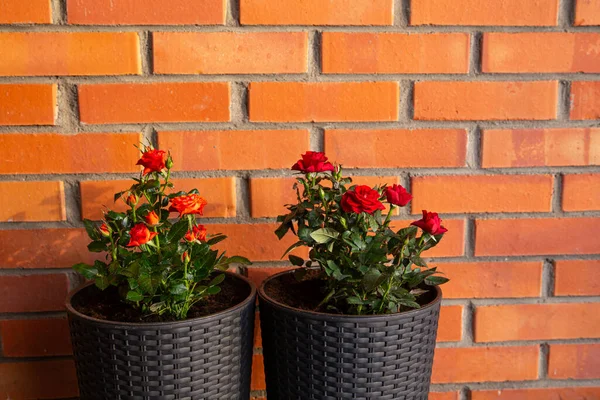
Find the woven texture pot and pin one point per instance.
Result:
(318, 356)
(202, 358)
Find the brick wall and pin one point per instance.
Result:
(487, 110)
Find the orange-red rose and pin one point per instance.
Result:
(313, 161)
(152, 218)
(152, 161)
(104, 229)
(132, 200)
(189, 204)
(397, 195)
(140, 234)
(198, 232)
(430, 223)
(362, 199)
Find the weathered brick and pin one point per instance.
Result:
(574, 361)
(581, 192)
(27, 104)
(52, 379)
(587, 12)
(258, 373)
(585, 100)
(537, 394)
(30, 12)
(577, 278)
(450, 324)
(35, 337)
(32, 201)
(27, 293)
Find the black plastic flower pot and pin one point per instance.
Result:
(201, 358)
(317, 356)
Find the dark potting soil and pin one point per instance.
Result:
(307, 292)
(107, 305)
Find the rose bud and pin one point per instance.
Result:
(198, 232)
(185, 258)
(140, 234)
(104, 230)
(362, 199)
(189, 204)
(152, 161)
(152, 219)
(313, 161)
(132, 200)
(397, 195)
(430, 223)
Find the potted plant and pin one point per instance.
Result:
(359, 321)
(162, 318)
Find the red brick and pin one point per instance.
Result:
(574, 361)
(455, 101)
(377, 53)
(540, 147)
(258, 373)
(475, 12)
(27, 104)
(315, 12)
(587, 12)
(268, 196)
(577, 278)
(585, 100)
(485, 364)
(574, 393)
(30, 12)
(380, 148)
(219, 192)
(581, 192)
(32, 201)
(35, 337)
(230, 52)
(50, 379)
(450, 324)
(221, 150)
(443, 396)
(44, 248)
(26, 293)
(482, 193)
(259, 274)
(154, 102)
(82, 153)
(146, 12)
(453, 243)
(540, 52)
(323, 101)
(536, 236)
(536, 322)
(481, 280)
(70, 53)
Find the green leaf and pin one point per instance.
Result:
(324, 235)
(238, 260)
(435, 280)
(178, 288)
(117, 196)
(371, 279)
(418, 261)
(102, 282)
(134, 296)
(97, 247)
(91, 229)
(86, 270)
(213, 290)
(216, 239)
(177, 231)
(217, 280)
(292, 247)
(283, 229)
(295, 260)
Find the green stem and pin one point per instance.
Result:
(388, 217)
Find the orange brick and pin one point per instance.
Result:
(536, 321)
(146, 12)
(537, 394)
(540, 52)
(257, 332)
(536, 236)
(577, 278)
(485, 364)
(235, 150)
(315, 12)
(259, 274)
(219, 192)
(323, 101)
(32, 201)
(27, 104)
(381, 148)
(475, 12)
(26, 293)
(482, 193)
(485, 100)
(154, 102)
(47, 153)
(377, 53)
(585, 100)
(30, 12)
(540, 147)
(481, 280)
(258, 373)
(70, 53)
(35, 337)
(443, 396)
(574, 361)
(581, 192)
(268, 196)
(44, 248)
(453, 243)
(450, 324)
(230, 52)
(50, 379)
(587, 12)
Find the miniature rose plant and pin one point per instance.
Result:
(366, 266)
(159, 265)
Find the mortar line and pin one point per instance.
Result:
(566, 13)
(469, 235)
(146, 39)
(406, 103)
(543, 361)
(317, 139)
(557, 194)
(239, 103)
(72, 197)
(464, 393)
(401, 13)
(563, 109)
(67, 113)
(473, 156)
(548, 278)
(475, 53)
(232, 18)
(58, 11)
(314, 57)
(467, 326)
(243, 198)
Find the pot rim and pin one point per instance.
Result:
(263, 296)
(156, 325)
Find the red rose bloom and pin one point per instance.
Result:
(430, 223)
(362, 199)
(152, 218)
(152, 161)
(189, 204)
(140, 234)
(397, 195)
(198, 232)
(313, 161)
